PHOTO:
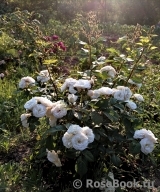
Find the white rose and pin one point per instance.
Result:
(44, 101)
(39, 110)
(131, 105)
(67, 140)
(52, 121)
(105, 91)
(151, 136)
(122, 93)
(93, 94)
(111, 71)
(43, 76)
(134, 83)
(26, 81)
(147, 146)
(69, 84)
(82, 84)
(1, 75)
(44, 73)
(25, 116)
(59, 111)
(74, 129)
(52, 156)
(72, 90)
(143, 133)
(72, 98)
(79, 141)
(139, 97)
(25, 123)
(42, 79)
(140, 134)
(30, 104)
(89, 133)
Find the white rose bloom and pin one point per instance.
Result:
(139, 97)
(25, 123)
(147, 146)
(72, 90)
(44, 101)
(122, 93)
(69, 84)
(74, 129)
(140, 134)
(89, 133)
(25, 116)
(131, 105)
(43, 79)
(143, 133)
(39, 110)
(26, 81)
(52, 156)
(43, 76)
(79, 141)
(134, 83)
(93, 94)
(67, 140)
(111, 71)
(105, 91)
(59, 111)
(30, 104)
(1, 75)
(52, 121)
(72, 98)
(82, 84)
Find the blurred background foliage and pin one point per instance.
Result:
(131, 12)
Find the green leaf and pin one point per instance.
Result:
(70, 153)
(115, 160)
(50, 61)
(113, 116)
(81, 166)
(96, 118)
(135, 148)
(49, 142)
(88, 155)
(112, 50)
(153, 47)
(56, 128)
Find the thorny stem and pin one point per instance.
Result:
(90, 61)
(55, 87)
(135, 65)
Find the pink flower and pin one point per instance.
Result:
(55, 37)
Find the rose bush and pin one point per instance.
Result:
(91, 118)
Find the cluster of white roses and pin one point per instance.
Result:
(147, 140)
(80, 84)
(40, 107)
(78, 137)
(25, 82)
(120, 93)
